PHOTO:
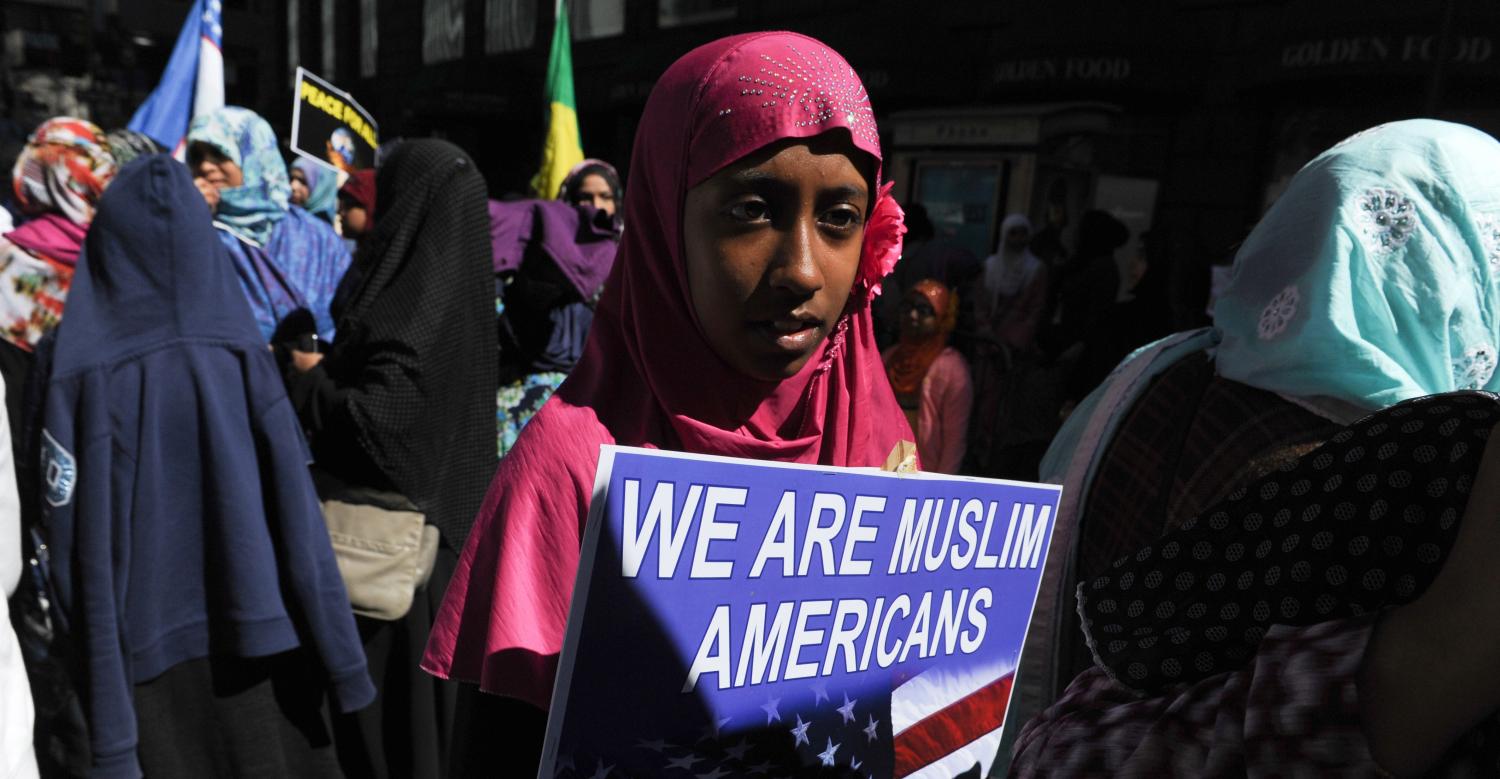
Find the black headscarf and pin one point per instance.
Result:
(416, 342)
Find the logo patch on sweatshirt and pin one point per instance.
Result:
(60, 471)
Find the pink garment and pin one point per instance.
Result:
(943, 419)
(1013, 319)
(649, 378)
(51, 235)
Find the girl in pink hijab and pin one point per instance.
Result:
(736, 322)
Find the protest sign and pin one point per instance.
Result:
(330, 127)
(739, 618)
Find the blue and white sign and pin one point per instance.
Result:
(740, 618)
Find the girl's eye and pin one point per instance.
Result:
(842, 218)
(749, 211)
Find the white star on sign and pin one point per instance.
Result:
(602, 772)
(655, 746)
(686, 762)
(717, 773)
(827, 755)
(847, 709)
(870, 730)
(854, 763)
(738, 751)
(772, 715)
(820, 692)
(800, 732)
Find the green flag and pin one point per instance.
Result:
(562, 148)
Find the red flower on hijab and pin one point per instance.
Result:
(882, 247)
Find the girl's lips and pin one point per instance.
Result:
(790, 335)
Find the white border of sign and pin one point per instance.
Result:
(589, 550)
(303, 74)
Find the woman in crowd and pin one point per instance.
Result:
(1015, 391)
(924, 255)
(551, 259)
(930, 377)
(593, 183)
(736, 322)
(58, 179)
(315, 188)
(287, 259)
(1013, 290)
(1088, 284)
(356, 201)
(188, 549)
(1372, 280)
(402, 403)
(357, 204)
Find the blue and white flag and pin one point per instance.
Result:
(739, 619)
(192, 84)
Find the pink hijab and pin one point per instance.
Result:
(649, 378)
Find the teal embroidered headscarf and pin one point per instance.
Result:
(322, 187)
(254, 208)
(1373, 278)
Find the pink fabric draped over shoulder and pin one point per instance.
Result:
(649, 378)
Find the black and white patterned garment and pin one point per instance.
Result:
(1362, 523)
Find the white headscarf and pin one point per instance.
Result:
(1007, 270)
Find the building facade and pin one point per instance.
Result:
(1186, 117)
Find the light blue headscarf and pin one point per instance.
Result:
(1374, 277)
(322, 187)
(254, 208)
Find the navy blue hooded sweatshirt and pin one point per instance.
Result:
(178, 502)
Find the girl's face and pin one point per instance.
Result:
(772, 246)
(918, 317)
(299, 187)
(594, 190)
(209, 164)
(354, 218)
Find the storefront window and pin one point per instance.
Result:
(676, 13)
(962, 199)
(442, 30)
(509, 25)
(591, 19)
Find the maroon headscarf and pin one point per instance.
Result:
(361, 189)
(648, 376)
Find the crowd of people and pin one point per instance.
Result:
(293, 478)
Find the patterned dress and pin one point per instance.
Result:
(1232, 645)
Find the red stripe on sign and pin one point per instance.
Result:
(952, 727)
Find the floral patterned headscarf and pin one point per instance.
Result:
(64, 169)
(252, 209)
(1376, 276)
